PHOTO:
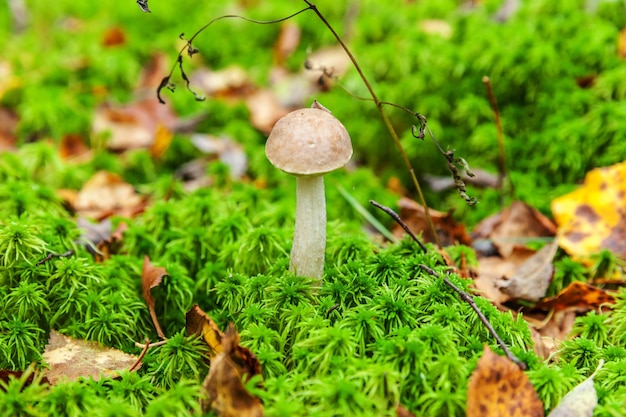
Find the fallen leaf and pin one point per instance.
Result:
(231, 82)
(162, 139)
(227, 150)
(73, 148)
(152, 276)
(114, 36)
(69, 359)
(513, 226)
(287, 42)
(104, 195)
(493, 270)
(578, 296)
(532, 278)
(332, 60)
(8, 126)
(224, 385)
(481, 179)
(402, 411)
(593, 217)
(498, 387)
(199, 323)
(265, 109)
(448, 230)
(549, 329)
(29, 376)
(579, 402)
(621, 43)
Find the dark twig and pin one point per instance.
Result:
(333, 308)
(55, 255)
(398, 220)
(137, 364)
(502, 170)
(464, 296)
(468, 299)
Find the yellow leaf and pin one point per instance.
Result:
(593, 217)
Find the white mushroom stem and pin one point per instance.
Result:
(309, 240)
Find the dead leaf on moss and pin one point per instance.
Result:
(550, 329)
(226, 150)
(114, 36)
(70, 359)
(621, 43)
(8, 125)
(448, 230)
(230, 362)
(287, 42)
(579, 402)
(532, 278)
(513, 227)
(402, 411)
(73, 148)
(199, 323)
(498, 387)
(593, 217)
(104, 195)
(578, 296)
(152, 276)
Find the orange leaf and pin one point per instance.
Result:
(621, 44)
(151, 277)
(498, 387)
(592, 217)
(578, 295)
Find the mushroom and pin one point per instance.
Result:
(309, 143)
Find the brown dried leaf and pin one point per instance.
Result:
(448, 230)
(514, 225)
(498, 387)
(531, 280)
(287, 42)
(402, 411)
(114, 36)
(200, 324)
(106, 194)
(578, 296)
(492, 270)
(70, 359)
(226, 393)
(152, 276)
(73, 148)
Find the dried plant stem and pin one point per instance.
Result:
(468, 299)
(503, 173)
(464, 296)
(383, 115)
(55, 255)
(137, 364)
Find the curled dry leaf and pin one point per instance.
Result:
(578, 296)
(498, 387)
(532, 278)
(152, 276)
(579, 402)
(226, 393)
(199, 323)
(593, 217)
(70, 359)
(104, 195)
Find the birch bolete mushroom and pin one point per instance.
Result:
(309, 143)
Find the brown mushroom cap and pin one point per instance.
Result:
(308, 142)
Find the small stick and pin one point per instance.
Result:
(143, 353)
(464, 296)
(55, 255)
(398, 220)
(151, 345)
(468, 299)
